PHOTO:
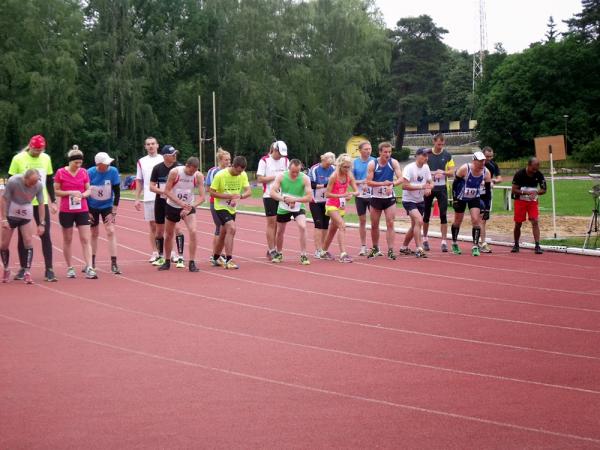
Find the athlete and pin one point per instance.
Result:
(363, 198)
(269, 167)
(224, 161)
(380, 178)
(105, 193)
(158, 181)
(466, 190)
(527, 185)
(34, 157)
(142, 185)
(417, 184)
(291, 190)
(486, 206)
(337, 197)
(319, 175)
(72, 185)
(228, 187)
(182, 202)
(441, 164)
(16, 211)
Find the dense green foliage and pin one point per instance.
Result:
(104, 74)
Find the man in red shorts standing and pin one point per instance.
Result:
(527, 185)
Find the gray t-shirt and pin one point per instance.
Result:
(17, 193)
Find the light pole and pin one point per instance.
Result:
(566, 117)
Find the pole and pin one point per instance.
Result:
(553, 196)
(566, 117)
(200, 131)
(215, 126)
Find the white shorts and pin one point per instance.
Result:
(148, 211)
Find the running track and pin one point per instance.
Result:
(502, 351)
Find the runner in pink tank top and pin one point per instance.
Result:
(337, 197)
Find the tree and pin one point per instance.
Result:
(586, 23)
(551, 34)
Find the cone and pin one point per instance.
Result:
(436, 209)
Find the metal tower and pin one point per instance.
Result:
(479, 56)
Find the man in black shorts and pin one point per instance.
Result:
(158, 181)
(441, 165)
(180, 190)
(486, 205)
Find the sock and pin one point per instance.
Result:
(228, 258)
(444, 241)
(215, 256)
(5, 256)
(113, 260)
(455, 229)
(476, 235)
(537, 243)
(93, 260)
(28, 258)
(179, 240)
(160, 245)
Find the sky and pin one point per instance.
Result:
(514, 23)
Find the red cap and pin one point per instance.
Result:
(37, 141)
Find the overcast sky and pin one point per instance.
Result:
(515, 23)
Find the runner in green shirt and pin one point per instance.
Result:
(291, 189)
(228, 187)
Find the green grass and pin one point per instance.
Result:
(573, 242)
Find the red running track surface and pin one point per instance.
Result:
(500, 351)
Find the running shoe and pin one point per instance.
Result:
(27, 277)
(271, 253)
(159, 261)
(221, 261)
(277, 258)
(166, 265)
(84, 269)
(90, 273)
(456, 249)
(49, 276)
(231, 265)
(180, 263)
(374, 252)
(515, 249)
(485, 248)
(70, 272)
(345, 258)
(174, 257)
(475, 251)
(6, 276)
(391, 255)
(213, 261)
(318, 254)
(326, 256)
(426, 246)
(20, 275)
(444, 247)
(538, 250)
(364, 251)
(115, 269)
(420, 253)
(192, 266)
(406, 251)
(304, 260)
(153, 257)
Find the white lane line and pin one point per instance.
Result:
(298, 386)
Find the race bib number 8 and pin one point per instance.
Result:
(17, 211)
(98, 193)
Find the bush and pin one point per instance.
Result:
(403, 154)
(589, 153)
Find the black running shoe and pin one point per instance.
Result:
(515, 249)
(166, 265)
(192, 267)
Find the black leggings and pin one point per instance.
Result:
(46, 241)
(442, 198)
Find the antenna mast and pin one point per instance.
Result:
(478, 57)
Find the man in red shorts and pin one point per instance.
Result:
(527, 185)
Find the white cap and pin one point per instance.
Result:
(478, 156)
(281, 147)
(103, 158)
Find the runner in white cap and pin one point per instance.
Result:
(269, 167)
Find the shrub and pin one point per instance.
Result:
(589, 153)
(402, 154)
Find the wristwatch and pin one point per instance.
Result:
(42, 224)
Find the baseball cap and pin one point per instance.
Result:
(422, 151)
(103, 158)
(478, 156)
(37, 141)
(281, 147)
(168, 150)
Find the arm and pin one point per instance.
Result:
(354, 185)
(201, 191)
(542, 182)
(371, 174)
(41, 228)
(449, 168)
(397, 172)
(139, 181)
(3, 219)
(154, 181)
(308, 193)
(261, 173)
(276, 189)
(169, 189)
(88, 190)
(328, 193)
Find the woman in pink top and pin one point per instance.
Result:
(337, 196)
(72, 185)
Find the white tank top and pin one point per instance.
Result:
(183, 188)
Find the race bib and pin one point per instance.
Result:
(74, 203)
(382, 192)
(342, 202)
(17, 211)
(100, 192)
(320, 195)
(439, 180)
(470, 192)
(185, 195)
(529, 194)
(294, 208)
(364, 190)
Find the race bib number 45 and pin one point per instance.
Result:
(17, 211)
